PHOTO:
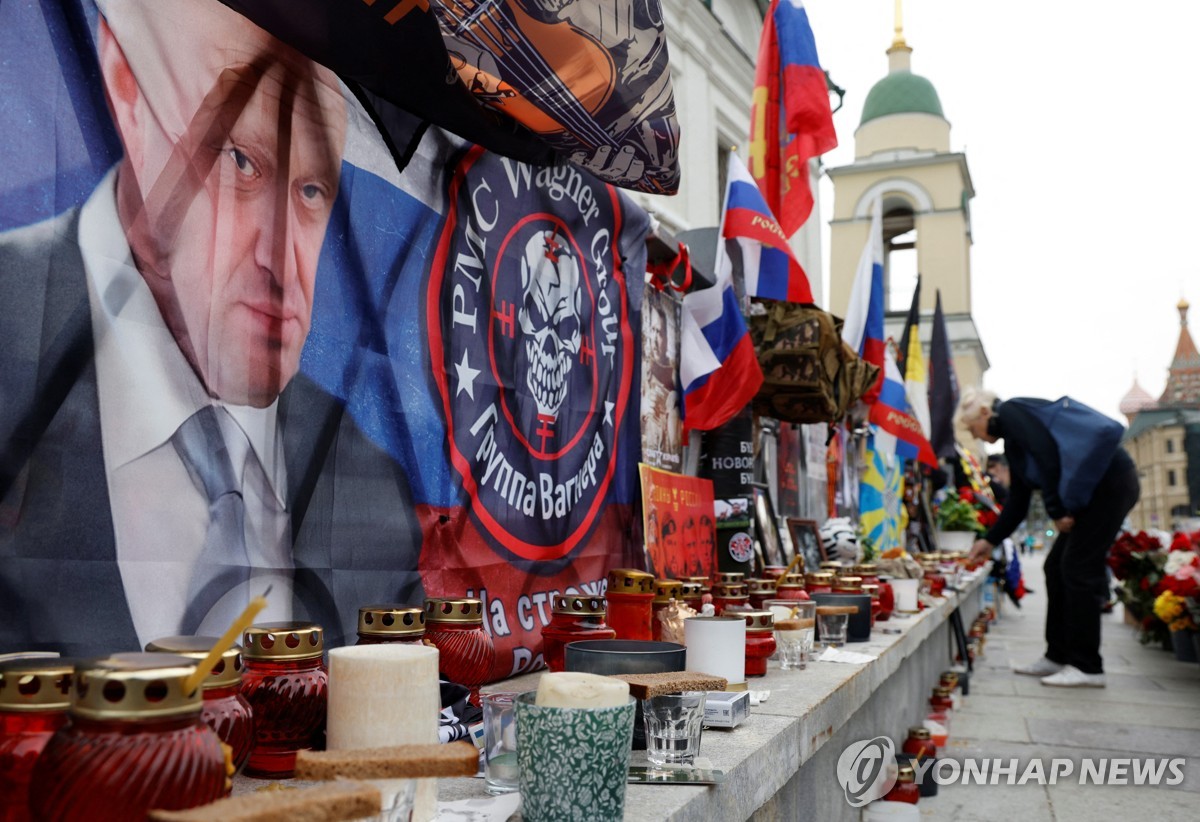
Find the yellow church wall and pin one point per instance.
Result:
(910, 130)
(1158, 497)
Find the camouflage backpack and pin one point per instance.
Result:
(809, 374)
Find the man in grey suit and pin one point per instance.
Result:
(161, 460)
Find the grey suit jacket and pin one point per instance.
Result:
(355, 535)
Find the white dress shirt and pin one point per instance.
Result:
(147, 390)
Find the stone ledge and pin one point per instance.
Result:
(806, 709)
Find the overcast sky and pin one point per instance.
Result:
(1078, 120)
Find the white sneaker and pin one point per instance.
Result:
(1043, 667)
(1072, 677)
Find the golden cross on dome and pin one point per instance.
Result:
(898, 40)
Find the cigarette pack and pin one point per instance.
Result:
(726, 709)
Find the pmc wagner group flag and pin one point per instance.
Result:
(243, 350)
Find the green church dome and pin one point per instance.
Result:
(901, 92)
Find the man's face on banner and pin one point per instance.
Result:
(233, 150)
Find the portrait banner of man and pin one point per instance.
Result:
(678, 520)
(219, 375)
(662, 430)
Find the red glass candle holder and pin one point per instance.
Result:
(760, 591)
(630, 599)
(287, 685)
(905, 789)
(887, 600)
(225, 710)
(455, 628)
(389, 624)
(941, 699)
(34, 696)
(819, 582)
(135, 742)
(760, 641)
(573, 618)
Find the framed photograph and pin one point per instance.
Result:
(768, 527)
(807, 540)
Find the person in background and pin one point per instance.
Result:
(1076, 580)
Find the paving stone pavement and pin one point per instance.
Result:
(1150, 709)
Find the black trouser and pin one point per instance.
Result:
(1076, 578)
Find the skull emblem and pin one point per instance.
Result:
(549, 318)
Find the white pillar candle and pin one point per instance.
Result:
(906, 594)
(570, 689)
(717, 646)
(383, 695)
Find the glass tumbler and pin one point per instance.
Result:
(673, 724)
(500, 743)
(832, 629)
(794, 629)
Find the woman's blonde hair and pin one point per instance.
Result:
(970, 404)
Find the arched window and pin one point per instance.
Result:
(900, 254)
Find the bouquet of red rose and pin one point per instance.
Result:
(1138, 560)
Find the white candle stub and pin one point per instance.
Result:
(570, 689)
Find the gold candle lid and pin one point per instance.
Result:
(739, 589)
(906, 773)
(135, 686)
(866, 569)
(391, 621)
(818, 578)
(227, 671)
(283, 640)
(41, 684)
(580, 605)
(849, 583)
(629, 581)
(871, 588)
(761, 586)
(831, 565)
(792, 579)
(730, 577)
(919, 732)
(463, 610)
(667, 589)
(758, 622)
(949, 676)
(692, 590)
(941, 691)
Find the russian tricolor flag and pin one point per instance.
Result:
(894, 417)
(863, 328)
(769, 267)
(717, 364)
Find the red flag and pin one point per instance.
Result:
(790, 118)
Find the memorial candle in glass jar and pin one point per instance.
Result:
(731, 578)
(789, 588)
(760, 591)
(941, 699)
(905, 789)
(665, 590)
(455, 628)
(34, 697)
(573, 618)
(287, 685)
(887, 599)
(921, 748)
(134, 742)
(224, 708)
(630, 597)
(388, 624)
(819, 582)
(731, 597)
(872, 590)
(760, 641)
(847, 585)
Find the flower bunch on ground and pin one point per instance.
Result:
(1172, 609)
(1138, 561)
